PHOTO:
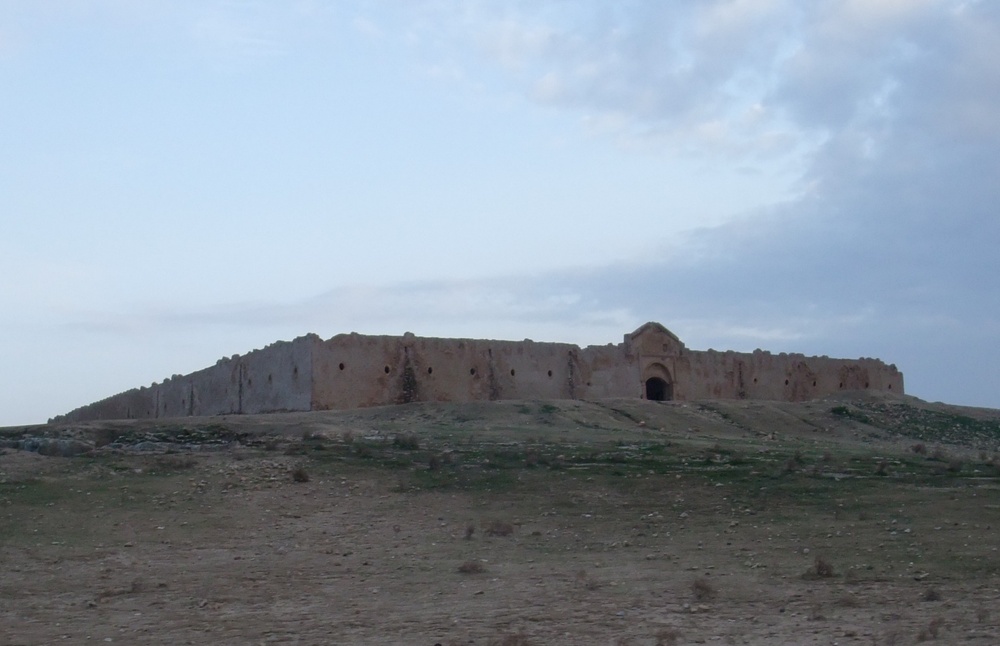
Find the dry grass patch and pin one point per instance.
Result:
(821, 569)
(406, 441)
(849, 601)
(668, 637)
(499, 528)
(702, 589)
(587, 581)
(471, 567)
(932, 631)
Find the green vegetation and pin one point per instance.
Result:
(922, 423)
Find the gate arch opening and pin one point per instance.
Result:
(658, 390)
(657, 384)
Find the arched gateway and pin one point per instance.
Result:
(658, 386)
(658, 390)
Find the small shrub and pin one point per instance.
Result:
(848, 601)
(955, 465)
(471, 567)
(932, 630)
(821, 569)
(434, 463)
(499, 528)
(791, 466)
(347, 437)
(587, 581)
(299, 474)
(470, 529)
(932, 595)
(939, 455)
(105, 436)
(667, 637)
(919, 448)
(982, 614)
(406, 441)
(702, 589)
(882, 468)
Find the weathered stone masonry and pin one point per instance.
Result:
(354, 371)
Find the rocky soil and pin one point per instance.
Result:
(854, 520)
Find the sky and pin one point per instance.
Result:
(184, 180)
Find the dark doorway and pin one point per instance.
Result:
(658, 390)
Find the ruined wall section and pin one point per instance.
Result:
(352, 370)
(609, 371)
(786, 377)
(138, 403)
(273, 379)
(278, 378)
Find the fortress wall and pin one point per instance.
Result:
(217, 389)
(137, 403)
(500, 369)
(609, 371)
(353, 370)
(348, 371)
(260, 381)
(278, 377)
(210, 391)
(175, 393)
(787, 377)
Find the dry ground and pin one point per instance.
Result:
(863, 520)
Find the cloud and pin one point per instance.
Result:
(891, 108)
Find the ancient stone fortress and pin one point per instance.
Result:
(354, 370)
